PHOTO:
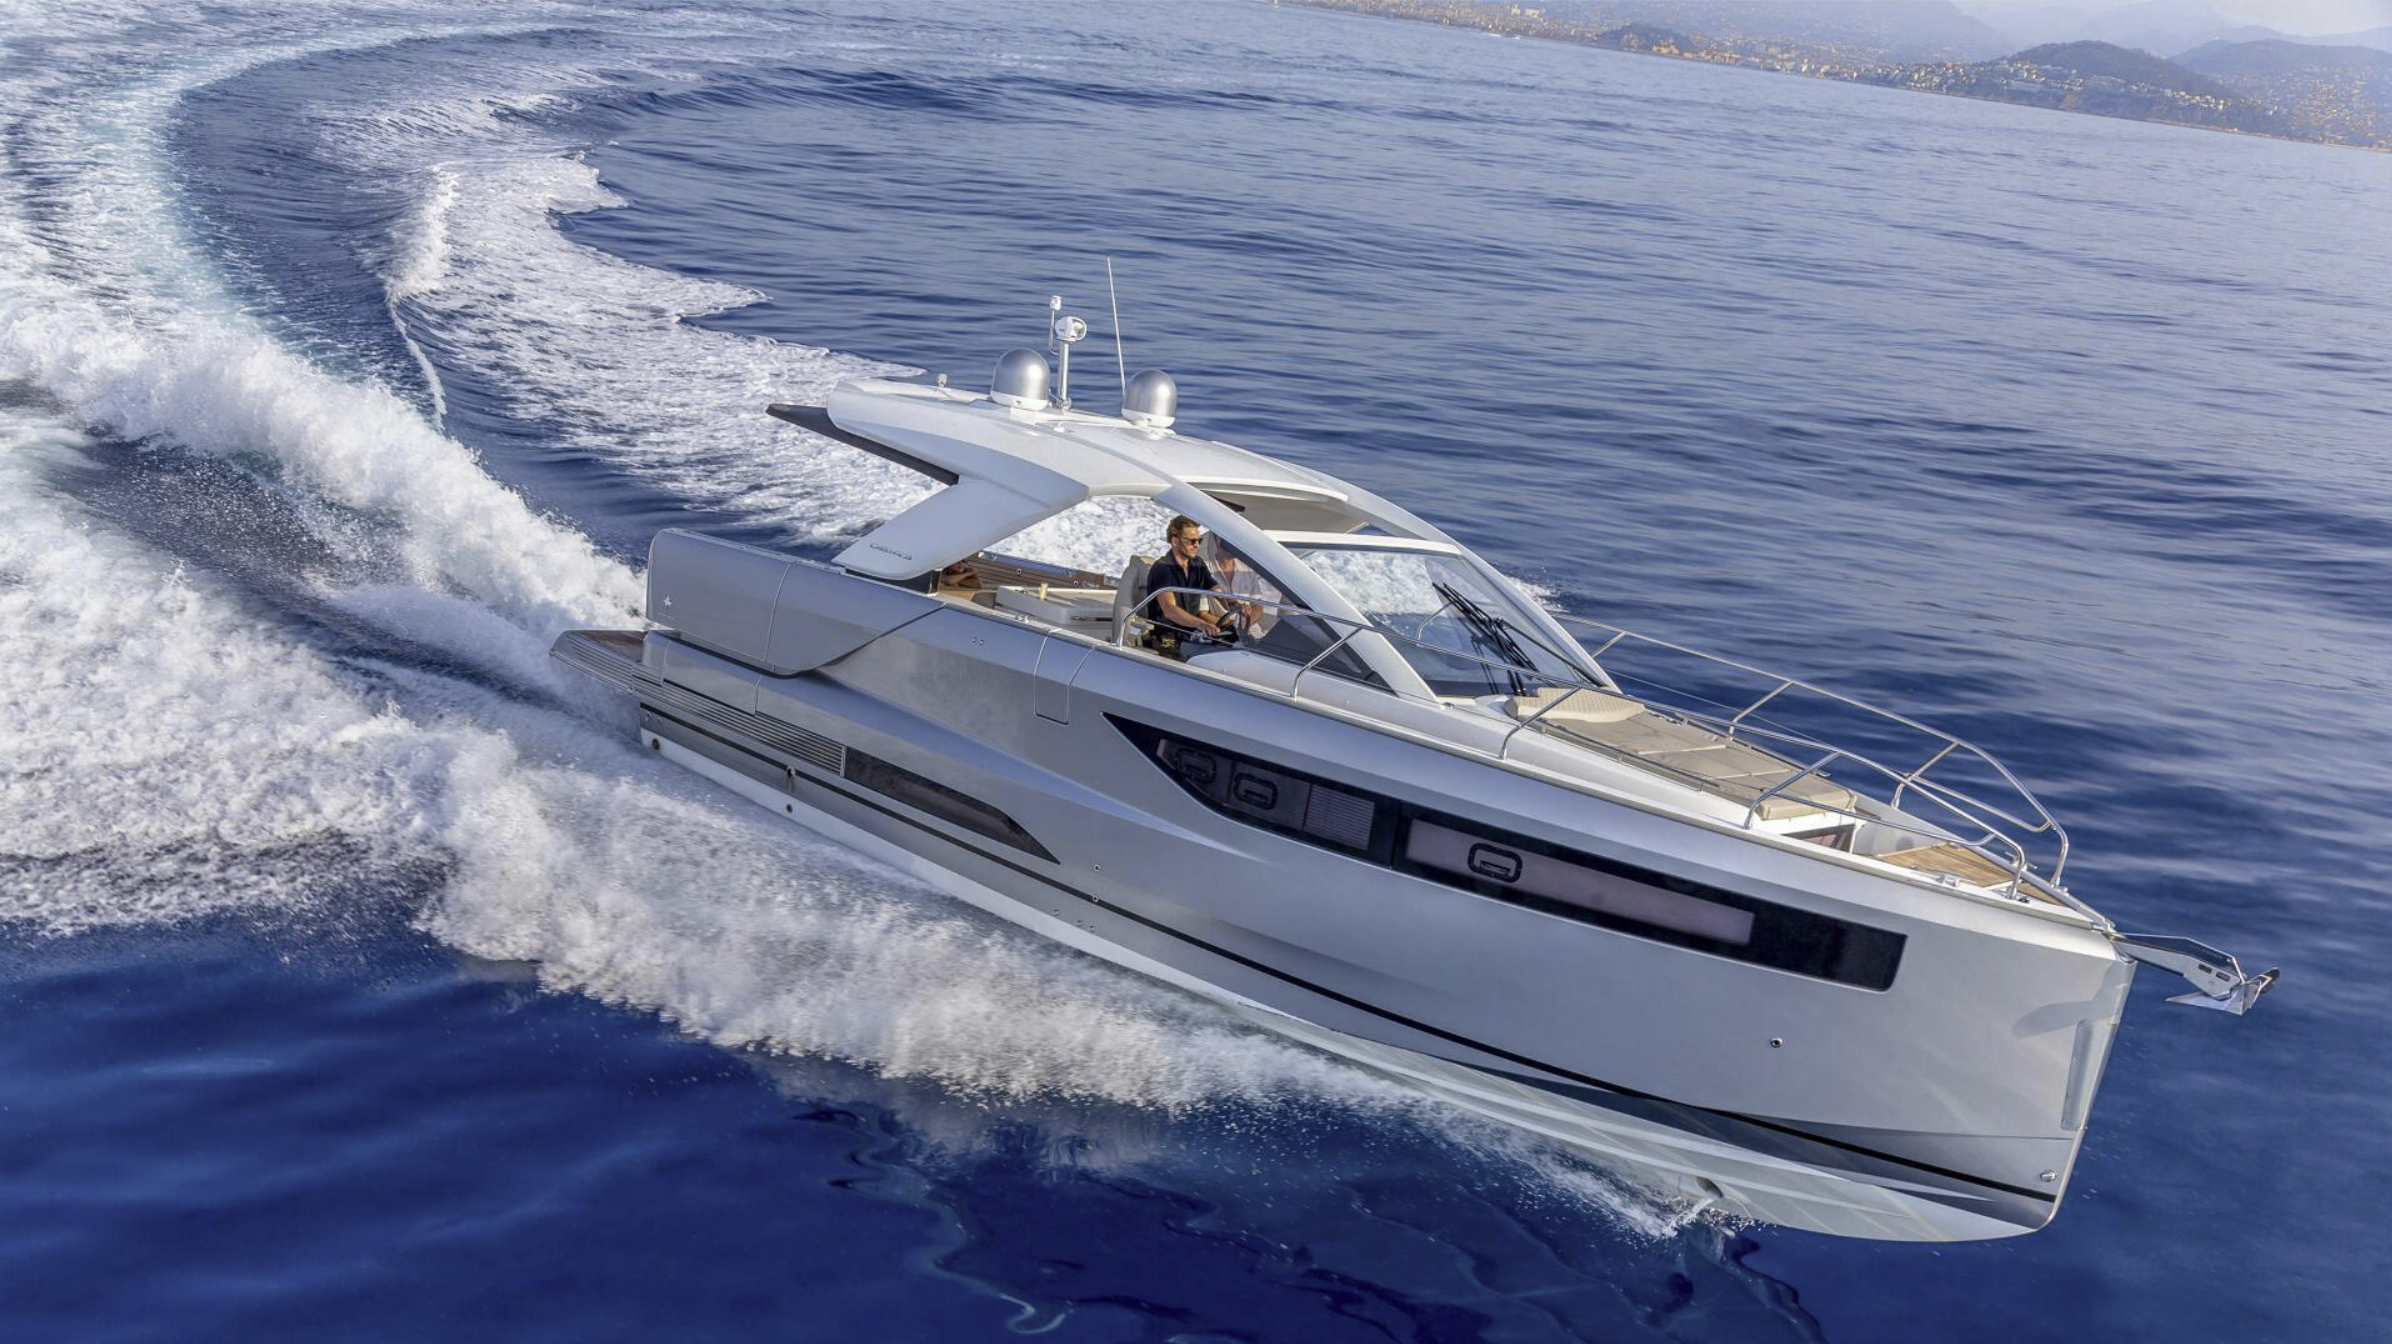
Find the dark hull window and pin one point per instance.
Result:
(1519, 870)
(1544, 881)
(949, 805)
(1266, 796)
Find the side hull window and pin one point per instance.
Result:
(1543, 881)
(1272, 798)
(1517, 869)
(953, 806)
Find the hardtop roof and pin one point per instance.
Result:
(1012, 468)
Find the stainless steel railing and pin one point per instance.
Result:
(1942, 746)
(1981, 824)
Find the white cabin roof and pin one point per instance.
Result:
(1013, 468)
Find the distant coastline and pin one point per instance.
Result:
(2091, 78)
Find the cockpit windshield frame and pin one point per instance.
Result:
(1463, 603)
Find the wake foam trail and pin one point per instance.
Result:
(727, 928)
(167, 761)
(187, 755)
(603, 348)
(184, 759)
(237, 395)
(234, 393)
(168, 356)
(179, 756)
(181, 753)
(419, 271)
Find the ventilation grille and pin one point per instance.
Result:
(614, 656)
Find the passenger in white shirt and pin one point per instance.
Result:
(1243, 581)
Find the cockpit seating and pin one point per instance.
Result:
(1129, 592)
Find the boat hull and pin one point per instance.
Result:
(1855, 1140)
(1666, 1159)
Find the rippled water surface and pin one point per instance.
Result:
(359, 980)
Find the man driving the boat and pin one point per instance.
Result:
(1183, 567)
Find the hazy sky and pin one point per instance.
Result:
(2291, 16)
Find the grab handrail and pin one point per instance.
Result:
(2042, 821)
(1995, 843)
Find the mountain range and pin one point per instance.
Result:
(2336, 94)
(1953, 30)
(1895, 30)
(2161, 27)
(2276, 56)
(2130, 64)
(2272, 85)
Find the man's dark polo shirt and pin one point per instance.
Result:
(1166, 573)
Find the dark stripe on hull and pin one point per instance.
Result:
(2018, 1205)
(1392, 833)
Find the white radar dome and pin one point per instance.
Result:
(1021, 380)
(1152, 401)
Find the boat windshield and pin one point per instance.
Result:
(1440, 602)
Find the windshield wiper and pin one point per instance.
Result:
(1489, 631)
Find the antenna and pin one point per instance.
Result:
(1054, 315)
(1119, 361)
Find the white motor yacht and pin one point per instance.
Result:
(1754, 945)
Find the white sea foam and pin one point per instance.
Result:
(600, 349)
(109, 310)
(159, 740)
(423, 264)
(236, 394)
(603, 350)
(185, 754)
(738, 933)
(419, 271)
(178, 753)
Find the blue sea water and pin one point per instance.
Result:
(358, 980)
